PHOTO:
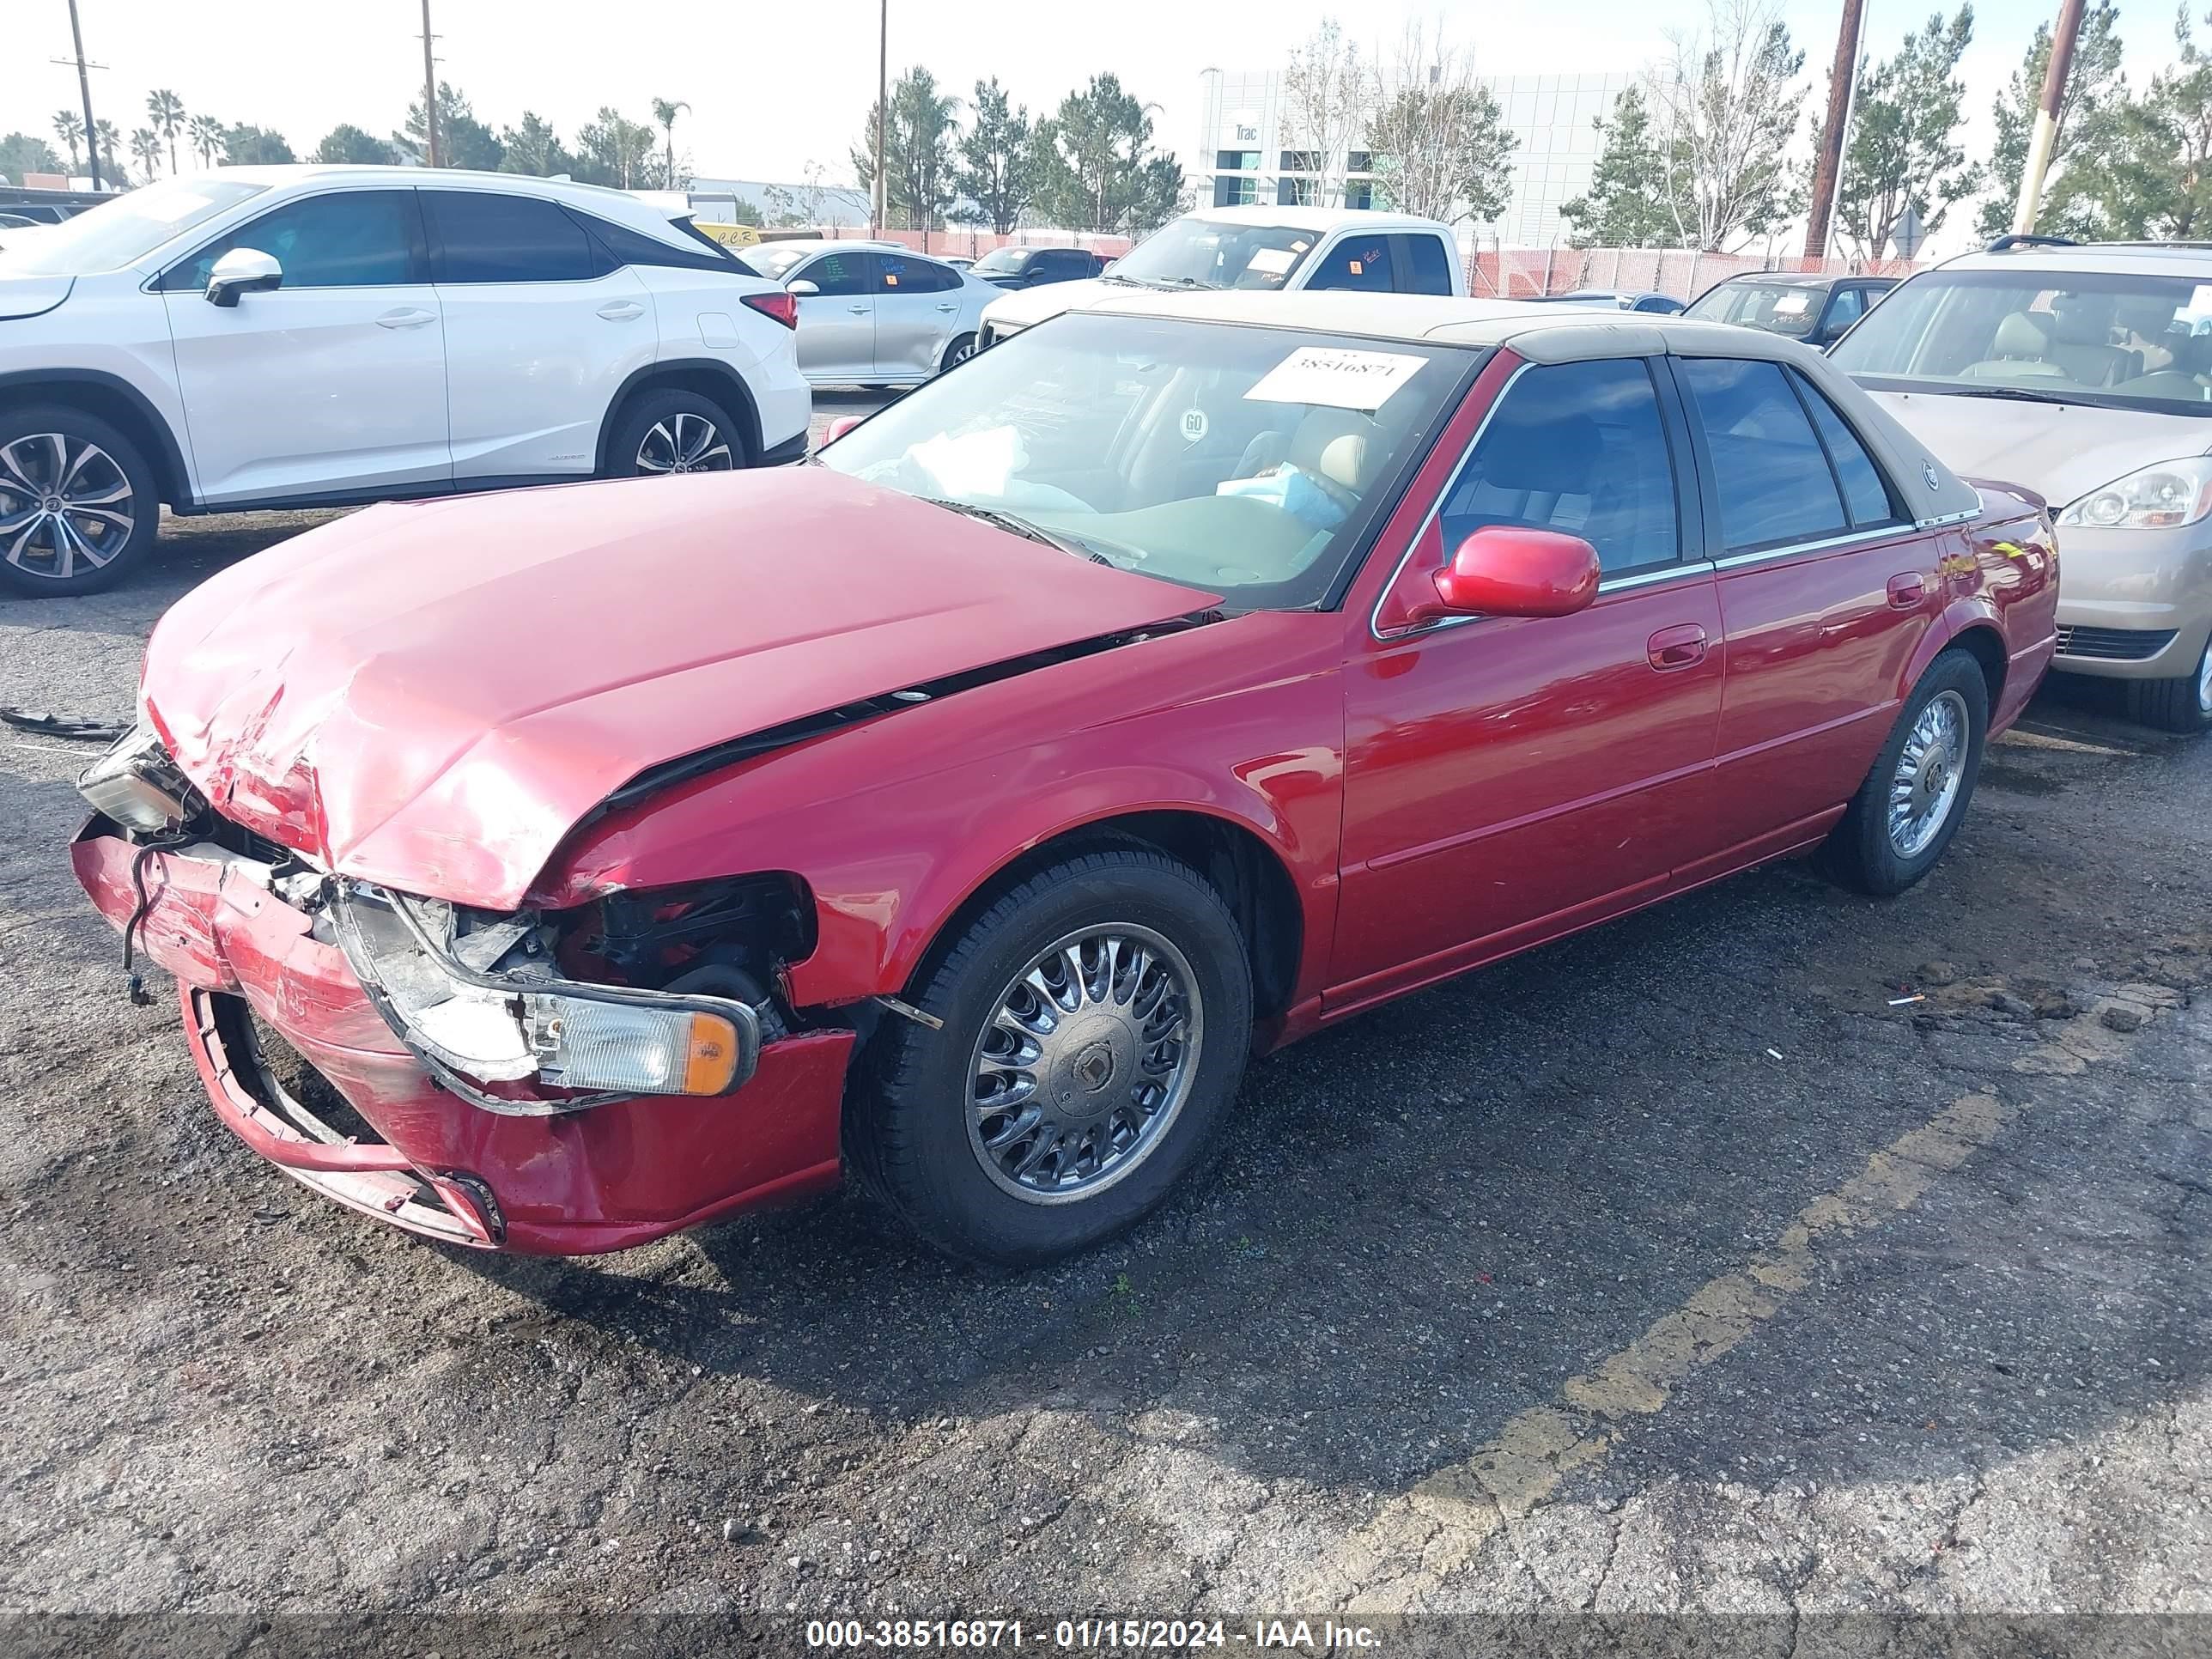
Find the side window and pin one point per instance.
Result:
(1062, 265)
(1769, 469)
(347, 239)
(1864, 492)
(898, 275)
(841, 273)
(625, 247)
(1580, 449)
(1424, 265)
(1844, 310)
(482, 236)
(1361, 263)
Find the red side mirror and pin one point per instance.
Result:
(841, 426)
(1503, 570)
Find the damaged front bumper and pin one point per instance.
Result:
(497, 1163)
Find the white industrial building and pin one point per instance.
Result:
(1246, 152)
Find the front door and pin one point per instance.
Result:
(837, 321)
(541, 333)
(1509, 777)
(335, 382)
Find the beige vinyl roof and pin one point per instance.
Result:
(1564, 334)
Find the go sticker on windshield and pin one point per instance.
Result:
(1270, 261)
(1336, 378)
(1194, 425)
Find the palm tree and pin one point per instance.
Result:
(146, 150)
(664, 112)
(167, 112)
(110, 147)
(69, 127)
(205, 135)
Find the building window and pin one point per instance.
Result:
(1236, 160)
(1357, 161)
(1236, 192)
(1302, 161)
(1359, 194)
(1295, 192)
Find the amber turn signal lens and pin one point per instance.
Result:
(710, 1062)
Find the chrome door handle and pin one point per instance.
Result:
(406, 317)
(1681, 647)
(621, 311)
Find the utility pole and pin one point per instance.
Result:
(429, 85)
(882, 98)
(2046, 118)
(84, 90)
(1828, 166)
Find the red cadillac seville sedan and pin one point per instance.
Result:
(552, 871)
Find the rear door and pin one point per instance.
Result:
(837, 322)
(542, 329)
(333, 384)
(917, 313)
(1507, 778)
(1424, 262)
(1825, 589)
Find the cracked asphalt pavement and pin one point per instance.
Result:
(1679, 1266)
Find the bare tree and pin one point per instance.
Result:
(1440, 144)
(1330, 95)
(1725, 105)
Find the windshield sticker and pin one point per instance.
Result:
(2200, 302)
(1336, 378)
(1270, 261)
(1194, 425)
(1790, 304)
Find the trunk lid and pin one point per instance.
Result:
(430, 695)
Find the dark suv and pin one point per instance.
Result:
(1033, 267)
(1814, 309)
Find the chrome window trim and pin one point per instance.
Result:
(1960, 517)
(1654, 578)
(1821, 544)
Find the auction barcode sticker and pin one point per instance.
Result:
(1336, 377)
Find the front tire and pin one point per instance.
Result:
(1096, 1020)
(2182, 704)
(78, 504)
(1910, 803)
(668, 431)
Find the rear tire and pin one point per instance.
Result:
(110, 510)
(962, 348)
(666, 430)
(1026, 1129)
(1913, 799)
(2182, 704)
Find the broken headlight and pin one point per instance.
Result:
(487, 1007)
(137, 786)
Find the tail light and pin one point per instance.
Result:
(780, 305)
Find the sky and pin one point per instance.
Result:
(774, 87)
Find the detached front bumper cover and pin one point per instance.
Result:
(516, 1022)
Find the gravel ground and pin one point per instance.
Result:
(1671, 1268)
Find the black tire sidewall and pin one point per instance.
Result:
(639, 415)
(950, 360)
(145, 498)
(2171, 705)
(932, 1173)
(1868, 860)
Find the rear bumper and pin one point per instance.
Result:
(615, 1175)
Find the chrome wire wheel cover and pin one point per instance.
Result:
(64, 504)
(1085, 1063)
(1926, 783)
(684, 443)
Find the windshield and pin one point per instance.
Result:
(1000, 259)
(773, 261)
(2104, 339)
(1777, 308)
(116, 233)
(1195, 252)
(1246, 462)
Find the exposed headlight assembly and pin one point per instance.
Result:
(137, 786)
(2158, 497)
(477, 1026)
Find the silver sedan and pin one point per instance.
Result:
(874, 313)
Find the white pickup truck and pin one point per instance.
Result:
(1264, 248)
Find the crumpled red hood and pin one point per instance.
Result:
(429, 696)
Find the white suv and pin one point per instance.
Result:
(304, 335)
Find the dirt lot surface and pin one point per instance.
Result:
(1669, 1268)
